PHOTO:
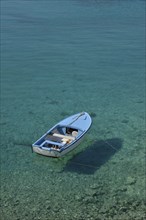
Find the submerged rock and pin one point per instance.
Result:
(91, 192)
(130, 180)
(93, 114)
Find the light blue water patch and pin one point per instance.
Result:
(59, 58)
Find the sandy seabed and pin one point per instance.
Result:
(56, 63)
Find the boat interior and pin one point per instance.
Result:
(59, 137)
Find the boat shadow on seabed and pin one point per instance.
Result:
(93, 157)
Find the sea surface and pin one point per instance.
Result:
(59, 58)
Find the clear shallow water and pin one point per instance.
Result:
(59, 58)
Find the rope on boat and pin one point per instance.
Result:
(77, 117)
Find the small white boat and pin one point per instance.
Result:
(64, 136)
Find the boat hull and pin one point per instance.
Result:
(54, 153)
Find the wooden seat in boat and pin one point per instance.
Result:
(64, 136)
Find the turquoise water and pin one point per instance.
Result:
(59, 58)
